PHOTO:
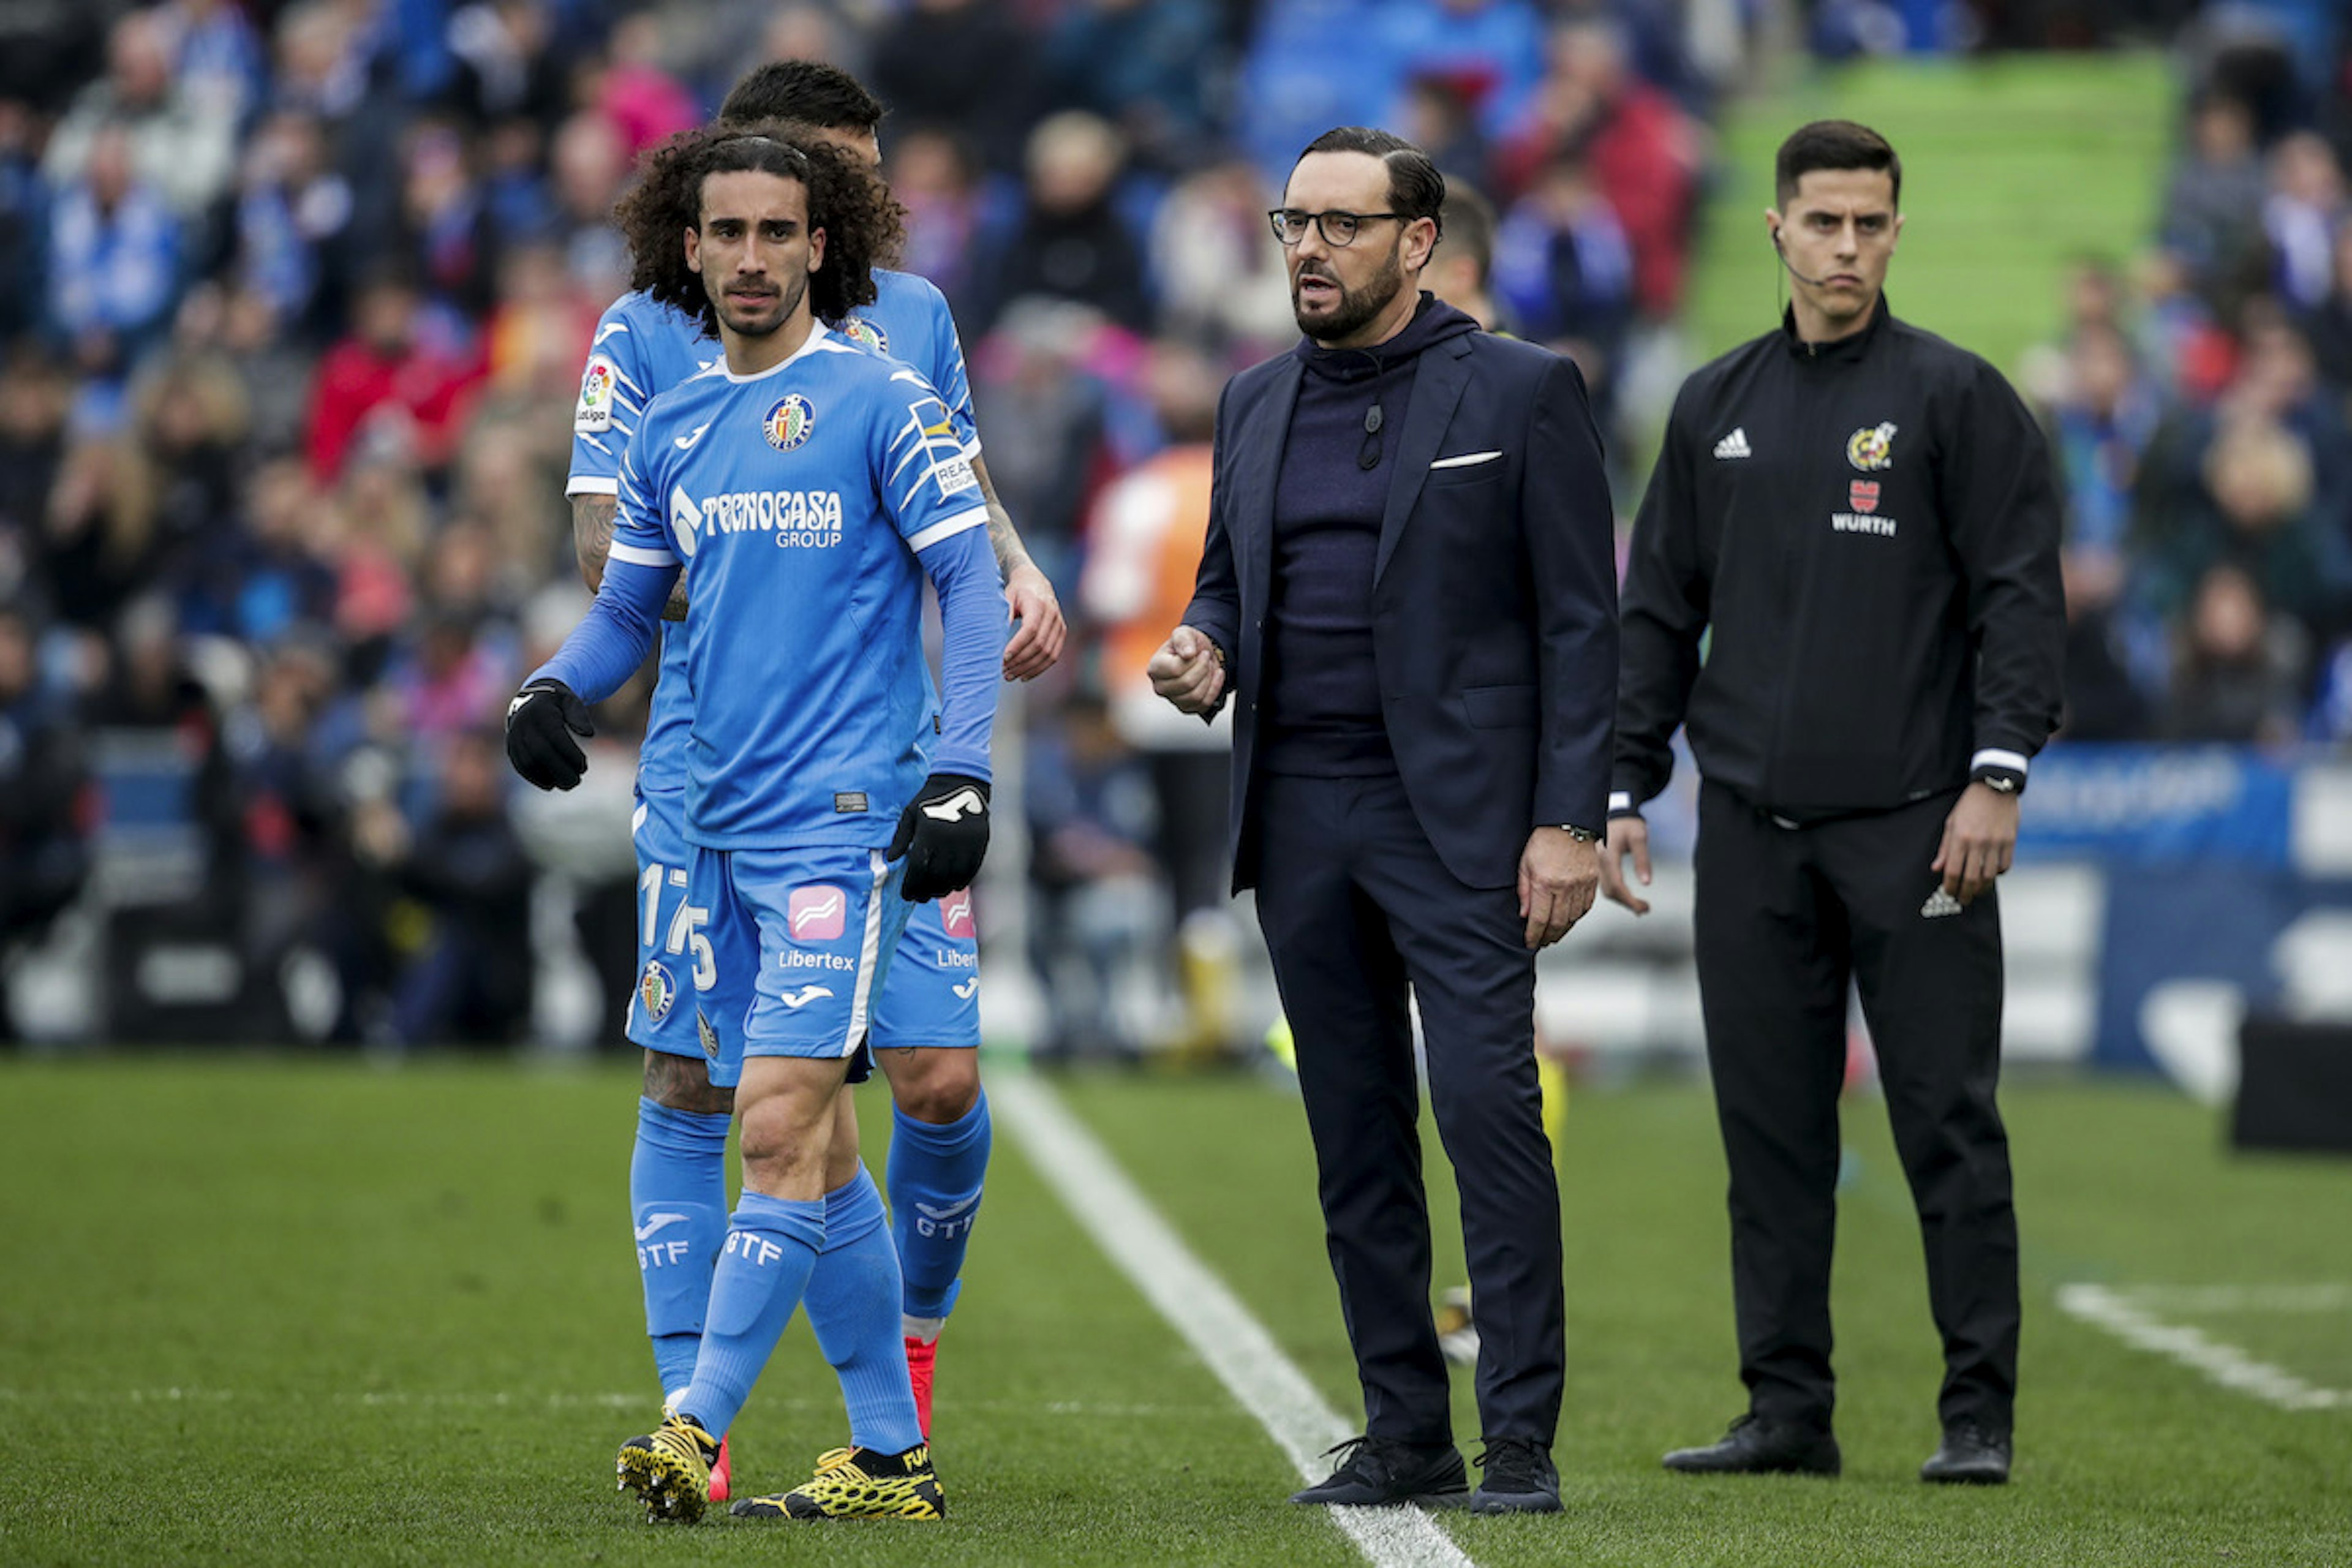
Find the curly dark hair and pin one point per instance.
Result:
(863, 225)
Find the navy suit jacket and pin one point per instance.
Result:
(1494, 597)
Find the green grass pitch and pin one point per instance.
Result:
(258, 1310)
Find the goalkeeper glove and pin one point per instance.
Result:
(943, 833)
(541, 722)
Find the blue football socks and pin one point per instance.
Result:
(853, 1305)
(678, 1204)
(771, 1250)
(935, 1174)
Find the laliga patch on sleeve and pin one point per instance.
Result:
(594, 416)
(954, 477)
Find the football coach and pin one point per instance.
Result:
(1408, 589)
(1861, 517)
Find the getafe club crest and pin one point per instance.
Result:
(789, 423)
(1871, 447)
(657, 991)
(859, 330)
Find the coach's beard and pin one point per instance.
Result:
(1356, 308)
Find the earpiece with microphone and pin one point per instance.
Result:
(1783, 254)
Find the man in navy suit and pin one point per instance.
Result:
(1409, 584)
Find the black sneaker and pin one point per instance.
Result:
(1756, 1447)
(1518, 1478)
(1377, 1470)
(1972, 1455)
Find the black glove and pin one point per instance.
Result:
(541, 722)
(943, 833)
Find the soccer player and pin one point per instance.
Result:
(793, 487)
(926, 1027)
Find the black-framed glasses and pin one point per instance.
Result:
(1339, 229)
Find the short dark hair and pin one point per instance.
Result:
(862, 222)
(1834, 144)
(1469, 221)
(1416, 187)
(822, 95)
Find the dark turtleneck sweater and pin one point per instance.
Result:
(1320, 710)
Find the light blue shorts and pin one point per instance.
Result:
(703, 962)
(694, 968)
(829, 920)
(932, 994)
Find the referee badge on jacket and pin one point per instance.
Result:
(1872, 447)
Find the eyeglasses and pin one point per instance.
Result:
(1339, 229)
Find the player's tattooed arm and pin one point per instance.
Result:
(591, 542)
(1012, 555)
(592, 535)
(1038, 642)
(681, 1083)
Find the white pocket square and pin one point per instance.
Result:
(1468, 459)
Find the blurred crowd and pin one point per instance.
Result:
(2200, 404)
(294, 296)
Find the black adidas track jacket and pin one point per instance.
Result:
(1845, 578)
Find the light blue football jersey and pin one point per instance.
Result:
(643, 349)
(910, 321)
(794, 501)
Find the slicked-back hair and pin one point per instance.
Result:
(823, 95)
(1416, 187)
(863, 224)
(1834, 144)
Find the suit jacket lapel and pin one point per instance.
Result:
(1437, 384)
(1257, 469)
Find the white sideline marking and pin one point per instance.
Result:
(2244, 1298)
(2124, 1314)
(1263, 1380)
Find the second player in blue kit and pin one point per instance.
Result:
(802, 488)
(696, 965)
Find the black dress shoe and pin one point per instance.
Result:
(1758, 1447)
(1377, 1470)
(1519, 1478)
(1972, 1455)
